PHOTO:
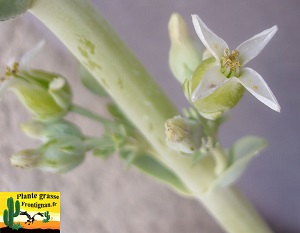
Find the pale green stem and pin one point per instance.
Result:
(234, 212)
(220, 160)
(91, 142)
(92, 41)
(87, 113)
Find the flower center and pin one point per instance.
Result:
(230, 63)
(10, 71)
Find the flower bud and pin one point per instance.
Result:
(220, 101)
(48, 96)
(61, 155)
(184, 134)
(56, 156)
(184, 55)
(50, 130)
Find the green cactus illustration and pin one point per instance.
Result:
(16, 226)
(9, 214)
(47, 217)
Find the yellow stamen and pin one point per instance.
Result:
(231, 60)
(12, 70)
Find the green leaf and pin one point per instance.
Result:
(152, 167)
(239, 156)
(91, 83)
(10, 9)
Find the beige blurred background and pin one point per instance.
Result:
(103, 196)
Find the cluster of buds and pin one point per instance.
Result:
(63, 147)
(214, 80)
(48, 97)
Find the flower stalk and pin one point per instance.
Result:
(91, 115)
(99, 49)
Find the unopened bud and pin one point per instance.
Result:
(184, 55)
(61, 155)
(184, 134)
(46, 131)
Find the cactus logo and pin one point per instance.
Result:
(29, 212)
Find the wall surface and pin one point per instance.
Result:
(110, 198)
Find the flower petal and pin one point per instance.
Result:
(29, 55)
(212, 42)
(211, 81)
(250, 48)
(256, 85)
(6, 84)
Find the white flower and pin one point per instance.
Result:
(13, 67)
(47, 95)
(229, 66)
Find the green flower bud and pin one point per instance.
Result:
(56, 156)
(12, 8)
(221, 100)
(61, 155)
(50, 130)
(184, 55)
(25, 158)
(184, 134)
(46, 95)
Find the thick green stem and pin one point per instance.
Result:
(92, 41)
(234, 212)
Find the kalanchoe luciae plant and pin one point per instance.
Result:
(137, 132)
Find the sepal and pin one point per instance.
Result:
(221, 100)
(239, 156)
